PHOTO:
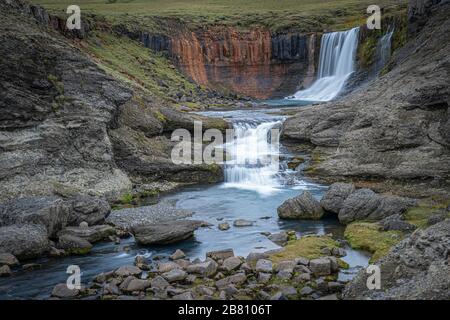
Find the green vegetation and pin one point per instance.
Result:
(133, 63)
(301, 15)
(309, 247)
(419, 215)
(368, 236)
(130, 200)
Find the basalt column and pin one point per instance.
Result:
(254, 63)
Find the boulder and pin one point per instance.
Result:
(178, 254)
(5, 271)
(334, 198)
(235, 279)
(364, 204)
(163, 211)
(395, 222)
(131, 284)
(224, 226)
(184, 296)
(74, 245)
(128, 270)
(303, 206)
(24, 241)
(264, 265)
(61, 291)
(167, 266)
(165, 233)
(8, 259)
(174, 275)
(92, 234)
(231, 263)
(280, 238)
(239, 223)
(320, 266)
(220, 254)
(205, 269)
(159, 283)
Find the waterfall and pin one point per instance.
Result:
(253, 153)
(384, 50)
(336, 64)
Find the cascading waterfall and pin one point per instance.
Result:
(336, 64)
(384, 50)
(253, 153)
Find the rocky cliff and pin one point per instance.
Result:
(68, 127)
(395, 129)
(255, 63)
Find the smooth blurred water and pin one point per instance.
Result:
(336, 64)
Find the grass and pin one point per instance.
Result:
(308, 247)
(302, 15)
(368, 236)
(133, 63)
(419, 215)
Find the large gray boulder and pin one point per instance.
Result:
(165, 232)
(53, 212)
(74, 245)
(334, 198)
(416, 268)
(365, 204)
(92, 234)
(146, 215)
(24, 241)
(303, 206)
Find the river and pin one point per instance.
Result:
(250, 191)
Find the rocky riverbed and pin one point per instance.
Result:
(222, 275)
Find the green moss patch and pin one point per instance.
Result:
(419, 215)
(368, 236)
(309, 247)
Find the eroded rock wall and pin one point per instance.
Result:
(255, 63)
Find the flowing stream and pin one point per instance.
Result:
(336, 64)
(255, 186)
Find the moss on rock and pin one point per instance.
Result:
(309, 247)
(368, 236)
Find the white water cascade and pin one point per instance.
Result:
(336, 64)
(253, 154)
(384, 50)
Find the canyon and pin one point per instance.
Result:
(86, 158)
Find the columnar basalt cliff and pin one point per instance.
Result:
(255, 63)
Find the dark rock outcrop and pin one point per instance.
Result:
(416, 268)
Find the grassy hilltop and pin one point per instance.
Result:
(302, 15)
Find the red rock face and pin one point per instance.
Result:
(254, 63)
